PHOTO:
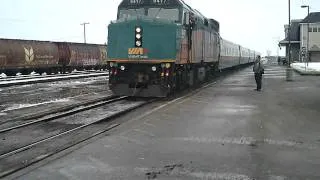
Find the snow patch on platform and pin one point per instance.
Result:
(307, 69)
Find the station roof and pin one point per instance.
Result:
(294, 33)
(313, 17)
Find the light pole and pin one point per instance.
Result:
(289, 70)
(84, 31)
(289, 35)
(307, 59)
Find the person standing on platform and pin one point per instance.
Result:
(258, 70)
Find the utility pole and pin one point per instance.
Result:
(308, 37)
(308, 55)
(289, 37)
(84, 31)
(289, 69)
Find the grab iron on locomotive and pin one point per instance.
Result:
(156, 47)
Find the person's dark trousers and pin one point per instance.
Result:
(258, 77)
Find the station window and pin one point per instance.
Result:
(319, 29)
(315, 29)
(310, 29)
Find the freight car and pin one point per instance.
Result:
(156, 47)
(25, 56)
(82, 56)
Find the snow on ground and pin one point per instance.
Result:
(307, 69)
(3, 75)
(34, 74)
(21, 106)
(72, 83)
(52, 78)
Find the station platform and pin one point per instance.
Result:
(226, 131)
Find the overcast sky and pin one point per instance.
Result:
(256, 24)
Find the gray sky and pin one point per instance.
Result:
(256, 24)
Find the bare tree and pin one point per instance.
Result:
(269, 53)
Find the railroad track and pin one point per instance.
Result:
(12, 81)
(11, 119)
(24, 121)
(54, 134)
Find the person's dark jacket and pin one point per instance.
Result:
(258, 67)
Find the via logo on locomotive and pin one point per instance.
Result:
(138, 53)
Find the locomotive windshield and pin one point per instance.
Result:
(171, 14)
(160, 13)
(128, 13)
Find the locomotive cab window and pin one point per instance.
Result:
(131, 13)
(160, 13)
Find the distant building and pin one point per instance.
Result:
(294, 39)
(304, 39)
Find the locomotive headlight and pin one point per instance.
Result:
(122, 68)
(168, 65)
(138, 37)
(111, 64)
(138, 30)
(154, 69)
(138, 43)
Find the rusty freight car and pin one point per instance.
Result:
(27, 55)
(82, 56)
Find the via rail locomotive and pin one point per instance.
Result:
(156, 47)
(25, 56)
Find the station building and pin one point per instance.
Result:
(304, 37)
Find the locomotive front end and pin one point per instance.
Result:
(141, 57)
